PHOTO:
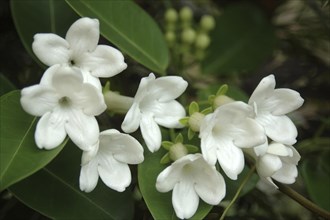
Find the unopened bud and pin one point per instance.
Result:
(202, 41)
(177, 151)
(170, 37)
(171, 15)
(186, 14)
(195, 121)
(207, 22)
(221, 100)
(188, 35)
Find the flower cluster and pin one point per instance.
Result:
(69, 97)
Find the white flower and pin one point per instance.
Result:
(80, 49)
(154, 104)
(191, 178)
(279, 162)
(66, 106)
(109, 159)
(271, 105)
(227, 130)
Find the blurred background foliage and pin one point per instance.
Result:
(251, 39)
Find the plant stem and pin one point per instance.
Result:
(302, 200)
(247, 177)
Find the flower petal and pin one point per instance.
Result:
(123, 147)
(209, 145)
(279, 149)
(184, 199)
(287, 174)
(88, 176)
(132, 119)
(167, 88)
(168, 114)
(67, 80)
(51, 49)
(113, 173)
(50, 130)
(209, 183)
(279, 128)
(38, 99)
(150, 132)
(82, 129)
(268, 164)
(83, 36)
(104, 61)
(264, 90)
(231, 159)
(248, 133)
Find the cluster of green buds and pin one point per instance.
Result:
(184, 35)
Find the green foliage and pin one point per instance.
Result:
(5, 85)
(242, 39)
(54, 191)
(41, 16)
(193, 107)
(160, 204)
(20, 157)
(130, 28)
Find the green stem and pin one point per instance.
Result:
(247, 177)
(302, 200)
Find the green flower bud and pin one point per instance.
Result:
(207, 22)
(177, 151)
(195, 121)
(188, 35)
(221, 100)
(171, 15)
(202, 41)
(170, 37)
(186, 14)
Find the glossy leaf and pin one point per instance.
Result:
(41, 16)
(160, 204)
(54, 192)
(19, 155)
(316, 172)
(130, 28)
(242, 40)
(5, 85)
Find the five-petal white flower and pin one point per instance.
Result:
(66, 106)
(154, 104)
(271, 105)
(279, 162)
(80, 49)
(109, 159)
(227, 130)
(191, 177)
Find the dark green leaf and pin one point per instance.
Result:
(242, 40)
(19, 155)
(160, 204)
(5, 85)
(41, 16)
(54, 191)
(130, 28)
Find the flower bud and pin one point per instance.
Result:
(207, 22)
(177, 151)
(195, 121)
(202, 41)
(188, 36)
(171, 15)
(186, 14)
(170, 37)
(221, 100)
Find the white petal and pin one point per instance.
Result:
(185, 200)
(88, 176)
(248, 133)
(287, 174)
(167, 88)
(113, 173)
(264, 90)
(88, 78)
(261, 149)
(268, 164)
(51, 49)
(231, 159)
(279, 149)
(104, 61)
(38, 99)
(168, 114)
(50, 130)
(208, 146)
(87, 156)
(209, 183)
(83, 36)
(143, 87)
(132, 119)
(82, 129)
(284, 101)
(67, 80)
(150, 132)
(123, 147)
(279, 128)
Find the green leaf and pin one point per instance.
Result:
(222, 90)
(130, 28)
(5, 85)
(316, 172)
(193, 107)
(19, 155)
(242, 40)
(54, 191)
(41, 16)
(160, 204)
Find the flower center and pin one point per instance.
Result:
(64, 101)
